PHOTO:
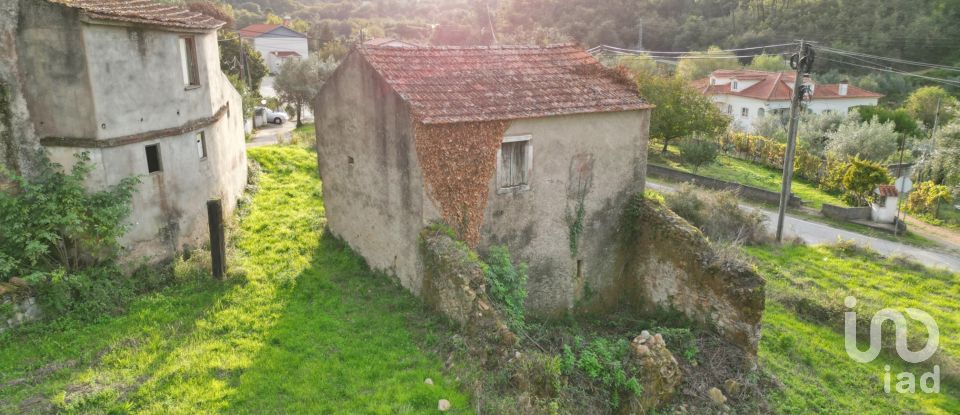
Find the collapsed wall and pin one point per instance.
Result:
(669, 265)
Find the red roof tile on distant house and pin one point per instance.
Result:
(466, 84)
(255, 30)
(887, 190)
(145, 12)
(774, 86)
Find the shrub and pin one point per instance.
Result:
(52, 223)
(872, 140)
(601, 361)
(697, 152)
(718, 215)
(507, 285)
(927, 197)
(861, 179)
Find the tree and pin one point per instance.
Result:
(770, 63)
(862, 178)
(638, 64)
(697, 152)
(696, 65)
(945, 160)
(871, 140)
(232, 61)
(681, 110)
(219, 11)
(299, 80)
(903, 122)
(922, 104)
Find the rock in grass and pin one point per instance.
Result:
(444, 405)
(428, 381)
(716, 396)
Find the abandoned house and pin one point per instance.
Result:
(138, 86)
(539, 149)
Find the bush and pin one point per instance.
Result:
(927, 197)
(718, 215)
(861, 180)
(53, 225)
(697, 152)
(507, 285)
(602, 362)
(872, 140)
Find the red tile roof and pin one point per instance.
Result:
(465, 84)
(255, 30)
(887, 190)
(774, 86)
(145, 12)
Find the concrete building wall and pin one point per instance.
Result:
(734, 106)
(53, 70)
(18, 139)
(132, 94)
(372, 184)
(599, 157)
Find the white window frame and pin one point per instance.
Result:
(745, 112)
(201, 145)
(528, 163)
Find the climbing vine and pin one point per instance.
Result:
(458, 161)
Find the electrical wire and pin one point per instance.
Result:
(883, 58)
(649, 52)
(875, 68)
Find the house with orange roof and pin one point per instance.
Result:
(276, 43)
(747, 95)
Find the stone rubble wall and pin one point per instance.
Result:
(18, 140)
(670, 265)
(17, 306)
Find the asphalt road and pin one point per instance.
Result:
(818, 233)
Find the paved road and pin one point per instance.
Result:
(817, 233)
(272, 134)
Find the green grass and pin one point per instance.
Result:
(802, 342)
(750, 174)
(309, 330)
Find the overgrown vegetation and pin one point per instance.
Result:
(698, 151)
(718, 214)
(63, 239)
(507, 285)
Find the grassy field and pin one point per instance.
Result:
(803, 344)
(309, 330)
(750, 174)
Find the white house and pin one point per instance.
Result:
(276, 43)
(747, 95)
(137, 86)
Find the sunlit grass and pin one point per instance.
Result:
(310, 330)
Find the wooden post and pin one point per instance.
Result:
(218, 241)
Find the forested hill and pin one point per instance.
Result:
(925, 30)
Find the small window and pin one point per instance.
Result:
(202, 145)
(745, 112)
(760, 112)
(188, 61)
(729, 109)
(735, 85)
(515, 159)
(153, 159)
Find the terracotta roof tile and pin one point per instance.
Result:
(143, 12)
(465, 84)
(256, 30)
(887, 190)
(774, 86)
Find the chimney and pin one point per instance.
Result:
(287, 21)
(842, 90)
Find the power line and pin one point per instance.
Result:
(894, 60)
(648, 52)
(876, 68)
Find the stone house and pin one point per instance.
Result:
(540, 149)
(137, 85)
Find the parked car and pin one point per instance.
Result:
(271, 116)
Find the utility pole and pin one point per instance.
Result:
(244, 73)
(802, 61)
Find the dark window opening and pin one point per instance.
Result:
(153, 158)
(350, 160)
(580, 269)
(514, 168)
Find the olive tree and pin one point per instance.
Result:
(299, 81)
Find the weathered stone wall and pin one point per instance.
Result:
(842, 213)
(669, 265)
(18, 141)
(17, 306)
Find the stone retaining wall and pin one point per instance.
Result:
(746, 192)
(842, 213)
(17, 306)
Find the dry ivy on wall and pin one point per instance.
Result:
(458, 160)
